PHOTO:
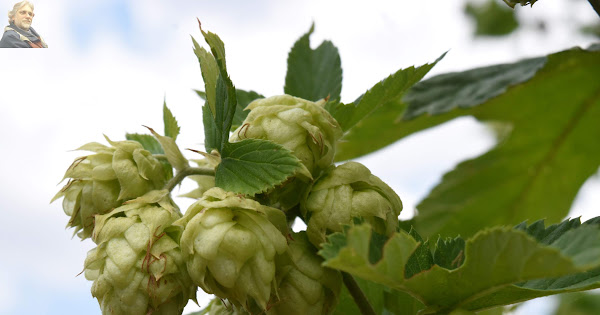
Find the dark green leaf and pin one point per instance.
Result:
(376, 110)
(502, 266)
(420, 260)
(243, 99)
(253, 166)
(313, 74)
(148, 142)
(536, 171)
(211, 133)
(171, 127)
(491, 18)
(449, 253)
(217, 83)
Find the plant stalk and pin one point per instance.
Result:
(357, 294)
(187, 172)
(596, 5)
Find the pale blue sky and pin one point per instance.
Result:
(111, 63)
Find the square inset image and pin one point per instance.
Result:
(19, 33)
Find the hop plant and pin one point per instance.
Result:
(301, 126)
(137, 267)
(230, 244)
(305, 287)
(347, 191)
(102, 181)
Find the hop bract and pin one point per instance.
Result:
(305, 287)
(137, 267)
(102, 181)
(230, 245)
(301, 126)
(345, 192)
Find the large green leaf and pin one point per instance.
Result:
(364, 115)
(534, 172)
(502, 265)
(252, 166)
(313, 74)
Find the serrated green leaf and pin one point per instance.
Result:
(313, 74)
(210, 74)
(224, 91)
(171, 127)
(148, 142)
(536, 171)
(449, 253)
(243, 99)
(500, 265)
(420, 260)
(211, 137)
(253, 166)
(491, 18)
(376, 110)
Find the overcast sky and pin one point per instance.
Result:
(111, 63)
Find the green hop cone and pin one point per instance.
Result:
(347, 191)
(102, 181)
(301, 126)
(230, 244)
(137, 267)
(305, 287)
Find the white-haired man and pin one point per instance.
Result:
(19, 33)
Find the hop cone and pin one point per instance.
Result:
(347, 191)
(301, 126)
(305, 287)
(103, 181)
(230, 245)
(137, 267)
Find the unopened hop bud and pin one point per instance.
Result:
(230, 244)
(305, 286)
(301, 126)
(137, 267)
(345, 192)
(102, 181)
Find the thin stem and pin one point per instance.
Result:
(596, 5)
(187, 172)
(357, 294)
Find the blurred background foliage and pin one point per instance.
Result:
(493, 18)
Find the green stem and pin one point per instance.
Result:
(357, 294)
(596, 5)
(187, 172)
